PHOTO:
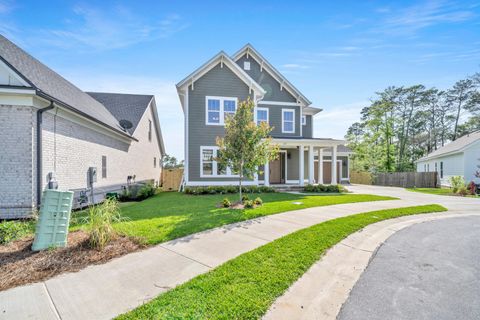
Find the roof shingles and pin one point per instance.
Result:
(52, 84)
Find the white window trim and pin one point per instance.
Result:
(229, 173)
(221, 111)
(304, 120)
(262, 109)
(283, 121)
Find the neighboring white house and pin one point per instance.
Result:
(51, 132)
(458, 158)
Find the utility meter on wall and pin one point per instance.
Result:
(92, 174)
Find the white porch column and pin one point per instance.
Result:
(320, 166)
(266, 174)
(311, 163)
(334, 165)
(301, 179)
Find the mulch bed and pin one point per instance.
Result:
(19, 265)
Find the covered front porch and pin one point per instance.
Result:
(306, 161)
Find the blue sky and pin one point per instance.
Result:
(338, 53)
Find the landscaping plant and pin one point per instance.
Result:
(226, 203)
(457, 182)
(227, 189)
(258, 201)
(246, 146)
(13, 230)
(99, 223)
(322, 188)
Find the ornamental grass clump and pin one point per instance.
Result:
(99, 223)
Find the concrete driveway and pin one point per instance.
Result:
(427, 271)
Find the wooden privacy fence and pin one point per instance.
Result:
(361, 177)
(171, 179)
(407, 179)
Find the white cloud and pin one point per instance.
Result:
(93, 28)
(169, 110)
(335, 122)
(414, 18)
(294, 66)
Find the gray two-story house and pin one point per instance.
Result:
(213, 91)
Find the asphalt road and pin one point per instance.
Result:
(427, 271)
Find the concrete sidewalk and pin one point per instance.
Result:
(105, 291)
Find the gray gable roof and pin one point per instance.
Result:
(124, 106)
(454, 146)
(51, 85)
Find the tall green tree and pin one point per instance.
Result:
(459, 97)
(246, 146)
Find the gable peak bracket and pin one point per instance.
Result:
(221, 62)
(193, 81)
(281, 85)
(261, 66)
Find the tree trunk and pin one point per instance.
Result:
(240, 181)
(456, 121)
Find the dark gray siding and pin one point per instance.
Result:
(307, 129)
(275, 120)
(217, 82)
(267, 82)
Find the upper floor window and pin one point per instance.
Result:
(288, 120)
(262, 115)
(154, 162)
(218, 109)
(304, 120)
(441, 169)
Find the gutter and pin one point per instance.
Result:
(39, 151)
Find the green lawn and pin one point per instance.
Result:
(437, 191)
(170, 215)
(245, 287)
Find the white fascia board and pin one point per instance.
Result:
(17, 90)
(223, 59)
(273, 72)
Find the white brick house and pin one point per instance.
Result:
(51, 129)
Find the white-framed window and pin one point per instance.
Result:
(217, 109)
(211, 168)
(246, 65)
(261, 115)
(304, 120)
(288, 120)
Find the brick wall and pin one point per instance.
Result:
(16, 160)
(69, 149)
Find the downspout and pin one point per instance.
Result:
(39, 151)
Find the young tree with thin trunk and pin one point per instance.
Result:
(246, 146)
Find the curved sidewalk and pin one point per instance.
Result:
(322, 290)
(320, 293)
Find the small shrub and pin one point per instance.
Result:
(146, 191)
(227, 189)
(472, 188)
(321, 188)
(226, 203)
(13, 230)
(99, 223)
(258, 201)
(245, 198)
(248, 204)
(462, 191)
(456, 182)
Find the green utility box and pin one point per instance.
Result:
(53, 221)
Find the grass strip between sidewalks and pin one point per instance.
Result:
(245, 287)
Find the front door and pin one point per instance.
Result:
(277, 169)
(327, 172)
